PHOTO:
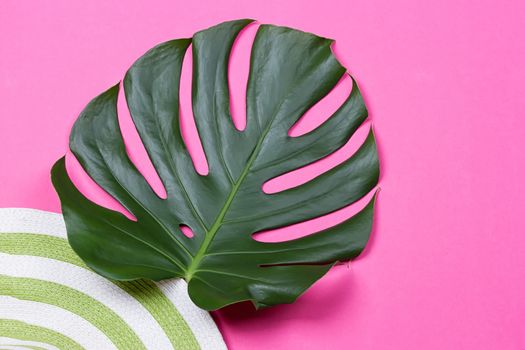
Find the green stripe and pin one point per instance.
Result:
(145, 292)
(24, 331)
(39, 245)
(76, 302)
(164, 312)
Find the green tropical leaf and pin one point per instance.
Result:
(290, 71)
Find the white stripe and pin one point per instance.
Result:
(128, 308)
(13, 342)
(200, 321)
(47, 223)
(56, 319)
(32, 221)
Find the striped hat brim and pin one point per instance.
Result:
(49, 299)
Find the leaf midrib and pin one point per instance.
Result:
(219, 221)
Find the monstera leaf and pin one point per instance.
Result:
(290, 71)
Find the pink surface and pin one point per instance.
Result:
(443, 81)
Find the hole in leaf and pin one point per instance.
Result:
(190, 135)
(314, 225)
(302, 175)
(186, 230)
(135, 148)
(323, 109)
(90, 189)
(238, 72)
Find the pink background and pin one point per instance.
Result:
(443, 81)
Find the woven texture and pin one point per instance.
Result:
(49, 299)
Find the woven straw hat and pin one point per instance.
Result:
(49, 299)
